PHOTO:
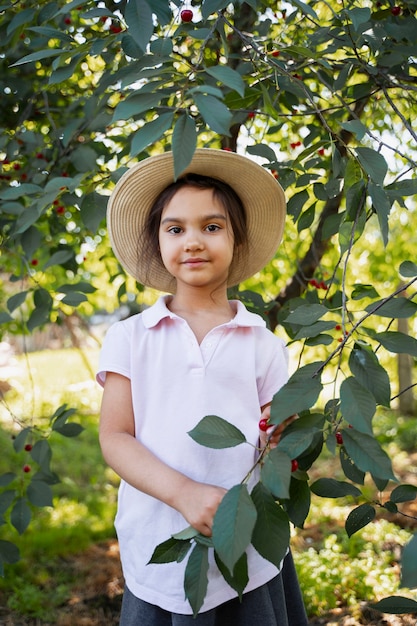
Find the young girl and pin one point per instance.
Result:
(193, 353)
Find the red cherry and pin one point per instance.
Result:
(16, 166)
(338, 327)
(339, 438)
(67, 20)
(294, 465)
(60, 210)
(321, 151)
(396, 11)
(34, 262)
(263, 424)
(275, 53)
(186, 15)
(39, 155)
(251, 115)
(115, 29)
(28, 447)
(228, 149)
(27, 469)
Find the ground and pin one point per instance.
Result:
(97, 591)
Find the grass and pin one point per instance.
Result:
(334, 571)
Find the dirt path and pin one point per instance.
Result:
(98, 587)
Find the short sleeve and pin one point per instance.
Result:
(273, 369)
(115, 353)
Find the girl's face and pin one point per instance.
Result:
(196, 239)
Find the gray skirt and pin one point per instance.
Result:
(277, 603)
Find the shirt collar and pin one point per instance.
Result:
(159, 311)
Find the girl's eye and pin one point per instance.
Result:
(212, 228)
(175, 230)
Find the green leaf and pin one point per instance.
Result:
(170, 551)
(215, 432)
(39, 493)
(357, 405)
(403, 493)
(397, 342)
(211, 6)
(135, 105)
(233, 525)
(69, 430)
(367, 454)
(162, 46)
(39, 56)
(184, 142)
(395, 308)
(360, 291)
(271, 535)
(358, 518)
(395, 605)
(408, 564)
(239, 579)
(9, 553)
(262, 150)
(21, 515)
(226, 75)
(408, 269)
(93, 210)
(7, 478)
(358, 16)
(74, 299)
(296, 203)
(195, 577)
(42, 454)
(215, 113)
(138, 16)
(306, 9)
(187, 533)
(314, 330)
(370, 374)
(298, 394)
(298, 505)
(6, 499)
(31, 240)
(332, 488)
(350, 470)
(43, 306)
(373, 163)
(81, 286)
(84, 158)
(150, 133)
(17, 300)
(22, 17)
(296, 442)
(59, 258)
(276, 473)
(381, 204)
(306, 314)
(356, 127)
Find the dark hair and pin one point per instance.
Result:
(230, 200)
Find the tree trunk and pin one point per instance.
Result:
(406, 402)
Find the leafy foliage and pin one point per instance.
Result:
(320, 96)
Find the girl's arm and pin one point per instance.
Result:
(138, 466)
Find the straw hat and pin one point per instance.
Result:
(137, 190)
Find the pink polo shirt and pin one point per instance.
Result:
(175, 382)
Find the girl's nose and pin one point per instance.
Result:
(193, 242)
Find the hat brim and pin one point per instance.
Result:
(137, 190)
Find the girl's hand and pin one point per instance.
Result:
(198, 503)
(276, 431)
